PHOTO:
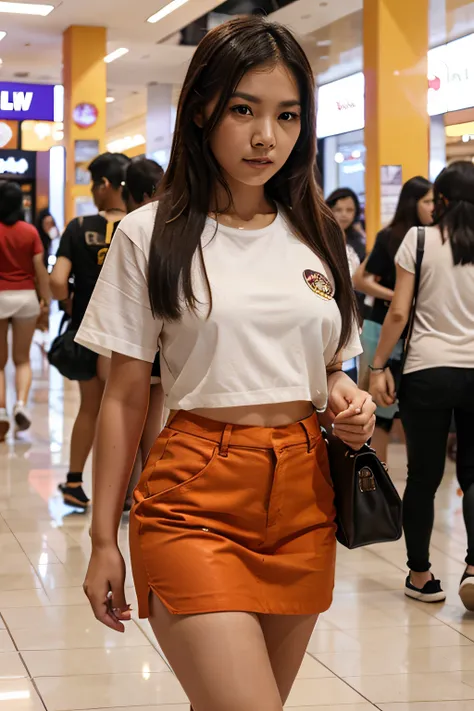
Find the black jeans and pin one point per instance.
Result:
(428, 400)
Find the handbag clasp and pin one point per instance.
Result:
(367, 480)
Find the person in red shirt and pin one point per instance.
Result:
(21, 268)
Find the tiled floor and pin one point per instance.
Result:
(373, 650)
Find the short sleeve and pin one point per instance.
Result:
(379, 262)
(65, 248)
(406, 255)
(36, 243)
(119, 317)
(352, 349)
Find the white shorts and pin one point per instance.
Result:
(21, 304)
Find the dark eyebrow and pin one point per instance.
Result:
(256, 100)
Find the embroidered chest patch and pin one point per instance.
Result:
(319, 284)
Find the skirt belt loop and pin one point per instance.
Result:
(225, 441)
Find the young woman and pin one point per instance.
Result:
(21, 268)
(376, 278)
(345, 206)
(438, 377)
(81, 254)
(241, 275)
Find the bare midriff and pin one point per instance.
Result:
(273, 415)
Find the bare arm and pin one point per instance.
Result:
(368, 284)
(397, 316)
(59, 279)
(42, 279)
(119, 428)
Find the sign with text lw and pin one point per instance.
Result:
(19, 102)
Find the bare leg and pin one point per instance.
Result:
(287, 638)
(3, 361)
(84, 427)
(221, 659)
(23, 331)
(4, 420)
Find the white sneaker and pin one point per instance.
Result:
(22, 417)
(4, 423)
(466, 591)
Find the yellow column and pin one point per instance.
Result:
(85, 83)
(396, 118)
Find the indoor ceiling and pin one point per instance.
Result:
(331, 32)
(32, 47)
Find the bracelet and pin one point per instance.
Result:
(376, 370)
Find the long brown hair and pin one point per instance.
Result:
(222, 58)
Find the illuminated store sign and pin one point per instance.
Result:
(26, 101)
(341, 106)
(450, 88)
(19, 164)
(451, 76)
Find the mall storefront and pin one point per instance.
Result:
(340, 124)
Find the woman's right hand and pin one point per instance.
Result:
(105, 586)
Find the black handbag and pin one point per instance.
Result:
(369, 508)
(397, 366)
(71, 359)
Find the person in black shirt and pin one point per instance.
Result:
(376, 278)
(81, 254)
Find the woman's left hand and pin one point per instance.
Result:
(353, 409)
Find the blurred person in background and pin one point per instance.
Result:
(22, 273)
(81, 254)
(345, 206)
(438, 378)
(48, 231)
(376, 278)
(141, 183)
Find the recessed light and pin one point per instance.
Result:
(109, 100)
(166, 10)
(26, 8)
(2, 35)
(324, 43)
(116, 55)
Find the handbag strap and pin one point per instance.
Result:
(420, 251)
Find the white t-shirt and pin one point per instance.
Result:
(443, 333)
(267, 340)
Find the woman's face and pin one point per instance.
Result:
(48, 223)
(259, 127)
(345, 211)
(425, 208)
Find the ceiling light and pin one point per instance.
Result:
(324, 43)
(166, 10)
(2, 35)
(26, 8)
(109, 100)
(115, 55)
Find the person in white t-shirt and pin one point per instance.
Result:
(239, 275)
(438, 379)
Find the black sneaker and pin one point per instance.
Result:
(466, 591)
(430, 592)
(74, 495)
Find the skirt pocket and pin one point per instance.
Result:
(180, 463)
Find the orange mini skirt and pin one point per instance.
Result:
(235, 518)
